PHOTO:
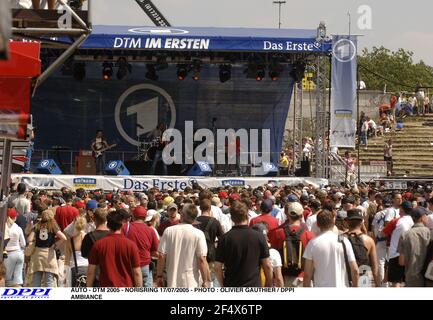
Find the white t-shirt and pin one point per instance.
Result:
(183, 244)
(391, 214)
(281, 216)
(327, 255)
(403, 225)
(275, 257)
(311, 220)
(16, 238)
(22, 204)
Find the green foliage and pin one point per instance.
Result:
(395, 69)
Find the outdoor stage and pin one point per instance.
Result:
(142, 183)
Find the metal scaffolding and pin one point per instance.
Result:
(321, 162)
(79, 29)
(297, 126)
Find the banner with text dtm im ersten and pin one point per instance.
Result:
(343, 94)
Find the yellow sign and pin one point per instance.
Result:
(307, 83)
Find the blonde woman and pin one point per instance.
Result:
(73, 257)
(43, 262)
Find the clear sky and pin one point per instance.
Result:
(395, 23)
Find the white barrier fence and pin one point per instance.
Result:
(142, 183)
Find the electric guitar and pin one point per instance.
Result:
(100, 152)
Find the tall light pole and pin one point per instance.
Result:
(279, 11)
(350, 22)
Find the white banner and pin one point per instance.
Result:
(254, 295)
(143, 183)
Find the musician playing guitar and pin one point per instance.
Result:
(99, 146)
(157, 134)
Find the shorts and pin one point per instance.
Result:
(387, 159)
(395, 271)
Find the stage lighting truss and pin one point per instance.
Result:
(196, 67)
(151, 72)
(123, 68)
(225, 72)
(107, 70)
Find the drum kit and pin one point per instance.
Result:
(147, 149)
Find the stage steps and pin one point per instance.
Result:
(412, 147)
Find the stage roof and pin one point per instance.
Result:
(205, 39)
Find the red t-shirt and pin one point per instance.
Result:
(65, 215)
(280, 235)
(272, 226)
(307, 213)
(116, 256)
(145, 239)
(165, 225)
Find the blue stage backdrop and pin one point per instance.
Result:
(68, 112)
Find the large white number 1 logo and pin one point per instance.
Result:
(344, 50)
(147, 115)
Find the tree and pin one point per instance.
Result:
(395, 69)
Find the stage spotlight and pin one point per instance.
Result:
(151, 72)
(79, 71)
(123, 68)
(298, 71)
(225, 72)
(182, 71)
(196, 67)
(275, 70)
(260, 74)
(107, 70)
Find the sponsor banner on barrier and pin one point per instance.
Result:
(216, 294)
(143, 183)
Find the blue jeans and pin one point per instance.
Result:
(158, 157)
(100, 161)
(147, 277)
(14, 264)
(363, 137)
(50, 279)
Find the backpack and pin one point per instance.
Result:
(211, 251)
(293, 249)
(359, 249)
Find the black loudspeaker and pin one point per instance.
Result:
(200, 169)
(267, 169)
(48, 166)
(116, 168)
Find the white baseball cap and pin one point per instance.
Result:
(150, 214)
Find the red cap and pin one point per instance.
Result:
(407, 195)
(12, 213)
(109, 196)
(235, 196)
(267, 194)
(223, 195)
(80, 205)
(140, 212)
